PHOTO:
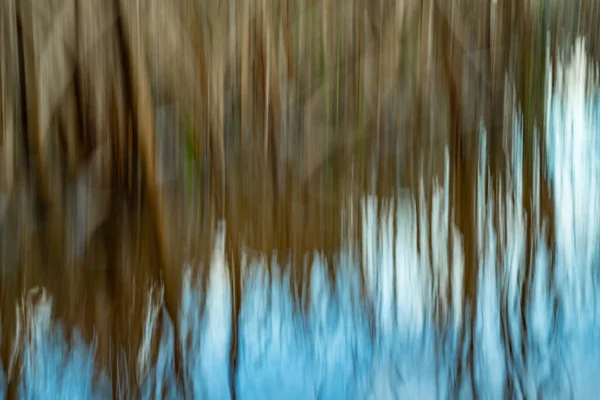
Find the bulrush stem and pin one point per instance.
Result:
(136, 73)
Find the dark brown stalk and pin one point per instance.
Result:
(136, 73)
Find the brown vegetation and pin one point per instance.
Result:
(128, 128)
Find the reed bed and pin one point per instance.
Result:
(169, 169)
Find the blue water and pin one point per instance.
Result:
(336, 350)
